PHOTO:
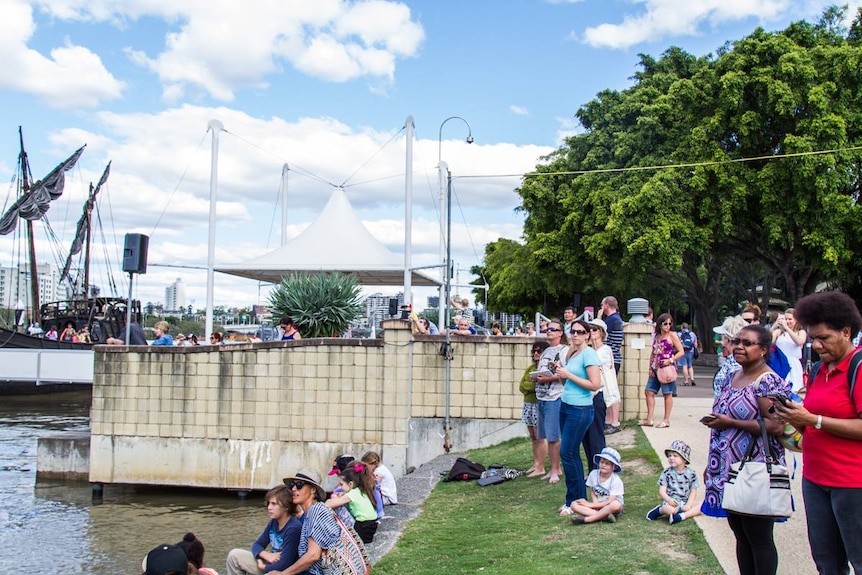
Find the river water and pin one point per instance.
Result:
(55, 526)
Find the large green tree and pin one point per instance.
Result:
(707, 178)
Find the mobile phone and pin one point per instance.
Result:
(707, 418)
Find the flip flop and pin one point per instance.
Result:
(645, 423)
(662, 424)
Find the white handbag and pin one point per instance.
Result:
(759, 488)
(610, 386)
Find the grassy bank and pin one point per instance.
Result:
(513, 527)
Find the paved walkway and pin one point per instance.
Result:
(794, 555)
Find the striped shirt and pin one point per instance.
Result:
(319, 524)
(615, 336)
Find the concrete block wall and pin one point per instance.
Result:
(243, 416)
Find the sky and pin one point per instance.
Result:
(325, 87)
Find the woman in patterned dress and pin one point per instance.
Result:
(733, 426)
(666, 349)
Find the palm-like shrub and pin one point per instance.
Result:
(321, 305)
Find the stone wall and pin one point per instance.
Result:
(244, 416)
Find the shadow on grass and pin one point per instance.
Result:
(513, 527)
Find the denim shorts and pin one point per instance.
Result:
(687, 360)
(549, 420)
(653, 385)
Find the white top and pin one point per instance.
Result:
(793, 351)
(388, 489)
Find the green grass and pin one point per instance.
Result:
(513, 527)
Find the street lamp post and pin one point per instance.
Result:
(442, 173)
(445, 295)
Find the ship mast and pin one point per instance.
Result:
(35, 313)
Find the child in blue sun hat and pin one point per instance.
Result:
(606, 495)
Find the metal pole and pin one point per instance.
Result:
(443, 171)
(284, 172)
(216, 127)
(447, 439)
(408, 214)
(129, 310)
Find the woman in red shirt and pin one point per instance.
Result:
(830, 422)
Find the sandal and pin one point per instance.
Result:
(662, 424)
(645, 423)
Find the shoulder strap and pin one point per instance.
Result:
(852, 369)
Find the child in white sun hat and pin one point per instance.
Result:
(678, 485)
(606, 500)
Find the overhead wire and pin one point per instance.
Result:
(366, 162)
(666, 166)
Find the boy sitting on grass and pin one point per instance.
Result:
(607, 491)
(678, 485)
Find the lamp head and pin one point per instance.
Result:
(470, 138)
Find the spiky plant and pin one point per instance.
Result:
(321, 305)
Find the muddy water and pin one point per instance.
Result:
(56, 527)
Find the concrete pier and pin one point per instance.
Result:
(65, 457)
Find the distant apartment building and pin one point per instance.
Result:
(377, 308)
(15, 286)
(175, 296)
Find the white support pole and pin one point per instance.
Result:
(408, 214)
(216, 127)
(284, 171)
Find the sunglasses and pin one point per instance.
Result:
(748, 319)
(296, 484)
(667, 323)
(579, 332)
(594, 328)
(744, 342)
(554, 329)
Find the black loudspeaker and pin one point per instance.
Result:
(135, 253)
(393, 306)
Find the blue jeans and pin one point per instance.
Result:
(574, 422)
(834, 517)
(594, 438)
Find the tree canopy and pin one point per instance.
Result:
(708, 178)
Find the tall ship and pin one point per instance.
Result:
(84, 308)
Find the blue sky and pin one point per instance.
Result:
(324, 86)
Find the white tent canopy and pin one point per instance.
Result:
(336, 241)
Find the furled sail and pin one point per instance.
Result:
(34, 203)
(84, 223)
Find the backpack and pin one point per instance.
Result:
(687, 340)
(852, 369)
(464, 470)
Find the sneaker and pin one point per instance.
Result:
(675, 518)
(565, 510)
(611, 518)
(577, 520)
(611, 429)
(654, 513)
(608, 426)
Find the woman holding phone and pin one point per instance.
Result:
(831, 427)
(739, 403)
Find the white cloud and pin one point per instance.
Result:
(159, 186)
(71, 76)
(667, 18)
(221, 46)
(519, 110)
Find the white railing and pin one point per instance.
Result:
(44, 366)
